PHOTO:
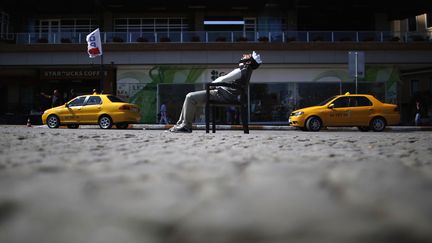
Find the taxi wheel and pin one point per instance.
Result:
(363, 129)
(378, 124)
(105, 122)
(53, 121)
(73, 126)
(313, 124)
(122, 125)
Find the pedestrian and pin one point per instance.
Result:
(56, 98)
(163, 114)
(418, 109)
(231, 115)
(249, 61)
(72, 94)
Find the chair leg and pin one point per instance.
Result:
(245, 122)
(214, 119)
(207, 117)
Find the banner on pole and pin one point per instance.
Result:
(94, 44)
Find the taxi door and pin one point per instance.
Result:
(339, 113)
(361, 109)
(91, 109)
(71, 112)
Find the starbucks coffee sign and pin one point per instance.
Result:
(70, 74)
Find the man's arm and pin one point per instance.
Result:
(45, 95)
(231, 76)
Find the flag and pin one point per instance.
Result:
(94, 45)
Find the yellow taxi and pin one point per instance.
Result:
(105, 110)
(361, 110)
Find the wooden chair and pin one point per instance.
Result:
(242, 101)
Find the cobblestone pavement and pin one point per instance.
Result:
(91, 185)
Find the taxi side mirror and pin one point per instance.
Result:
(66, 105)
(331, 106)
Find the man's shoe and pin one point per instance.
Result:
(180, 129)
(174, 128)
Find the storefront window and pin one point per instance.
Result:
(173, 95)
(269, 103)
(273, 102)
(313, 93)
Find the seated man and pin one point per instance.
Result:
(223, 94)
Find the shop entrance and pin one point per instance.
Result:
(68, 88)
(79, 80)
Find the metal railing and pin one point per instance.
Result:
(227, 36)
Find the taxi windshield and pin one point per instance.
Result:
(326, 101)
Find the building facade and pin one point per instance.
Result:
(156, 54)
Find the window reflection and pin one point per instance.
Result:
(269, 103)
(273, 102)
(173, 95)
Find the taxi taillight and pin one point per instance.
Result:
(124, 107)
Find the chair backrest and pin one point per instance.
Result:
(246, 74)
(239, 86)
(242, 84)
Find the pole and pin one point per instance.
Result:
(356, 74)
(101, 85)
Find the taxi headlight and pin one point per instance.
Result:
(298, 113)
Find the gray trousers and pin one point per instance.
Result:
(192, 101)
(198, 98)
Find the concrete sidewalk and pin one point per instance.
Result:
(133, 185)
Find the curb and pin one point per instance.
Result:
(260, 127)
(218, 127)
(277, 127)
